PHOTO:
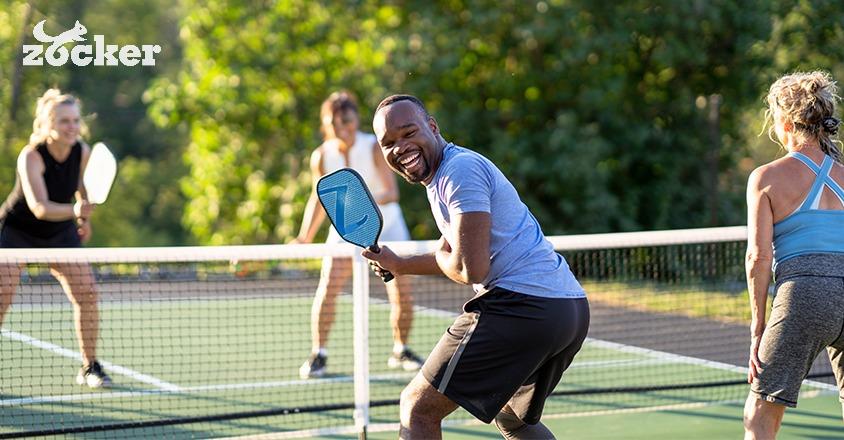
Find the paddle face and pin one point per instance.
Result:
(350, 207)
(352, 210)
(99, 173)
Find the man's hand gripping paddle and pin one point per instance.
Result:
(352, 210)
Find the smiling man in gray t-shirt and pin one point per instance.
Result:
(505, 354)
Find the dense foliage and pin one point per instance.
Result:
(640, 115)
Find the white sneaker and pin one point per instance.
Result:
(314, 367)
(93, 376)
(406, 360)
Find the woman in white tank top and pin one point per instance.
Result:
(345, 146)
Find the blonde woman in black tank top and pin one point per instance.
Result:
(48, 208)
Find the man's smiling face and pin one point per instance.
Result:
(409, 141)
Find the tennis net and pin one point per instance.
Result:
(208, 341)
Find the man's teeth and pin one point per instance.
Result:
(409, 159)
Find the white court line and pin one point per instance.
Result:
(193, 390)
(394, 427)
(263, 385)
(656, 357)
(689, 360)
(111, 304)
(659, 356)
(617, 363)
(114, 368)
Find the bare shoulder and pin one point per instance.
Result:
(771, 172)
(316, 160)
(29, 155)
(317, 152)
(86, 151)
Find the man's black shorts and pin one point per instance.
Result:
(507, 347)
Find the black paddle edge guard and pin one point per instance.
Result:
(342, 406)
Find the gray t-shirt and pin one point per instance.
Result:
(522, 260)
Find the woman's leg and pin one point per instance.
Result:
(762, 419)
(335, 273)
(77, 280)
(401, 308)
(9, 279)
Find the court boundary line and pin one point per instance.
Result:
(388, 427)
(655, 355)
(192, 390)
(109, 366)
(691, 360)
(169, 388)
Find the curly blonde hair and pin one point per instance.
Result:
(807, 100)
(45, 111)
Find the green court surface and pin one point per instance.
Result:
(200, 357)
(817, 418)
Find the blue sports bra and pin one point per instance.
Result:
(810, 230)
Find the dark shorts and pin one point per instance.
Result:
(807, 317)
(15, 238)
(507, 347)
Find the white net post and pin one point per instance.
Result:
(360, 305)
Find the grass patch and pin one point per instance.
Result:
(693, 301)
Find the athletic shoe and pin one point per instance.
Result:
(313, 367)
(93, 376)
(406, 360)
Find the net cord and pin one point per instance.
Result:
(269, 252)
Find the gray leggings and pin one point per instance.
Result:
(807, 316)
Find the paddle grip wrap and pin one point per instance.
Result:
(386, 276)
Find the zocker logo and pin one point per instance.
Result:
(99, 53)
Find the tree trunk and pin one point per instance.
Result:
(17, 69)
(713, 121)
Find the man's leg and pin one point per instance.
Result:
(422, 410)
(514, 428)
(762, 419)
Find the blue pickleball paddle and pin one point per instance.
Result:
(352, 210)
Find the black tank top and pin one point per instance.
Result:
(62, 180)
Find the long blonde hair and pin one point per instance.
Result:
(45, 111)
(807, 100)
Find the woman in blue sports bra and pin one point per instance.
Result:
(795, 215)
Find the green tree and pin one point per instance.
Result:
(19, 87)
(623, 117)
(252, 81)
(112, 106)
(599, 115)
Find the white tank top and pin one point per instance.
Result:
(360, 159)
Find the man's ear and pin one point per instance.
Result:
(432, 123)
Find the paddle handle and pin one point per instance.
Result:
(386, 276)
